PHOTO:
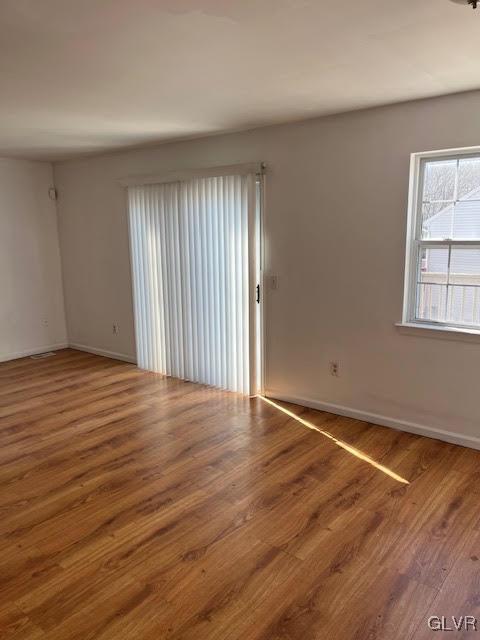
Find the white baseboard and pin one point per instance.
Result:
(5, 357)
(103, 352)
(64, 345)
(385, 421)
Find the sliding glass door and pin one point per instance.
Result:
(195, 266)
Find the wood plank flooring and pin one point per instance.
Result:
(135, 506)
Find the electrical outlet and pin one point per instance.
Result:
(115, 329)
(334, 369)
(45, 322)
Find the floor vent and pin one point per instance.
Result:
(40, 356)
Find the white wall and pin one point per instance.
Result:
(336, 215)
(31, 309)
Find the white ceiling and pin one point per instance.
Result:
(80, 76)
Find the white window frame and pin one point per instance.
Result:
(414, 243)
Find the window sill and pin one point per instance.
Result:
(434, 331)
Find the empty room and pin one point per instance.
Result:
(239, 319)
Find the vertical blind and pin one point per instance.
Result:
(191, 246)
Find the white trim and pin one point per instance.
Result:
(103, 352)
(444, 332)
(190, 174)
(263, 297)
(252, 284)
(410, 247)
(449, 243)
(448, 153)
(384, 421)
(5, 357)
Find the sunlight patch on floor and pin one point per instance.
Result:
(340, 443)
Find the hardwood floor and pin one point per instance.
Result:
(134, 506)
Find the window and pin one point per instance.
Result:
(442, 281)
